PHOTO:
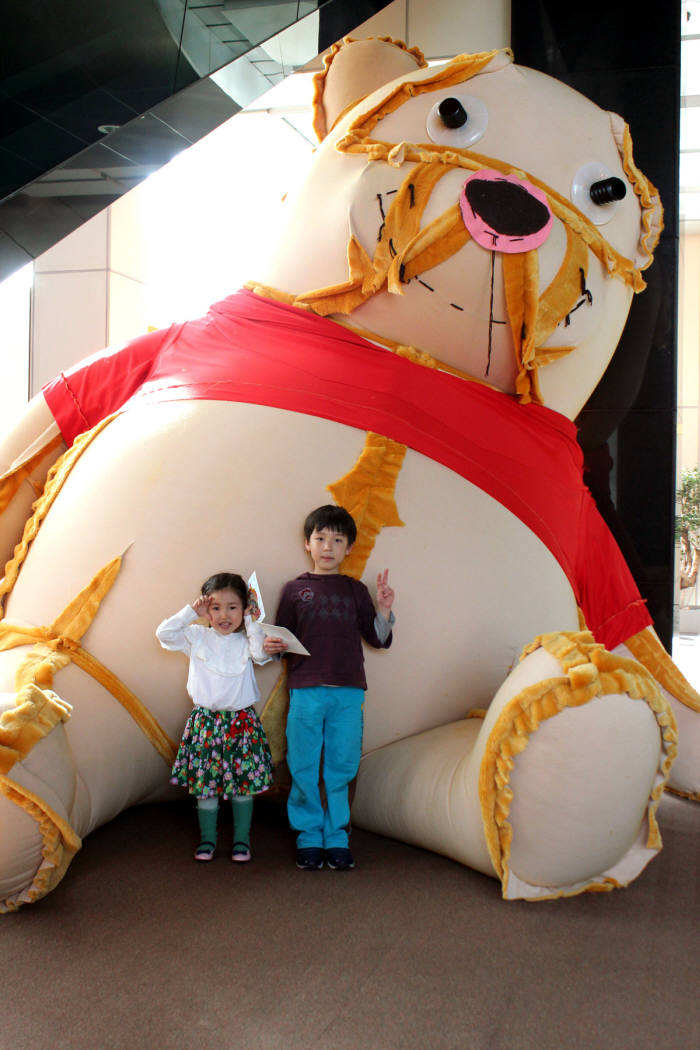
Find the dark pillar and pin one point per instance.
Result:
(630, 63)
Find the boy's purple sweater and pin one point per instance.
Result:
(330, 615)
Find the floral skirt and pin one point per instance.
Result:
(222, 754)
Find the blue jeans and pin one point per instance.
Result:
(327, 718)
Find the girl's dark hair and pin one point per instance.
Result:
(337, 519)
(227, 581)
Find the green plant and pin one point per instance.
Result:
(688, 525)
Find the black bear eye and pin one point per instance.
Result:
(452, 113)
(457, 120)
(606, 190)
(597, 192)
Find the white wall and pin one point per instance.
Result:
(14, 342)
(688, 350)
(88, 291)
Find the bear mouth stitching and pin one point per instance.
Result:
(455, 306)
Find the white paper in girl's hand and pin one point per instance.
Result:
(293, 643)
(255, 602)
(257, 613)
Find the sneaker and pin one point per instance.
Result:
(310, 858)
(241, 852)
(340, 859)
(205, 851)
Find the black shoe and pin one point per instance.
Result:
(340, 859)
(310, 859)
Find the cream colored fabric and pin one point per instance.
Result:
(482, 791)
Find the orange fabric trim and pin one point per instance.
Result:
(265, 291)
(646, 647)
(44, 661)
(521, 284)
(367, 492)
(343, 298)
(532, 317)
(431, 245)
(274, 718)
(32, 718)
(12, 480)
(693, 796)
(146, 722)
(646, 191)
(402, 223)
(560, 297)
(59, 644)
(54, 483)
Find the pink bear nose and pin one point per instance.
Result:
(504, 213)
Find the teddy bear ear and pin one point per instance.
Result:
(355, 68)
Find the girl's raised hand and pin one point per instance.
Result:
(201, 605)
(385, 594)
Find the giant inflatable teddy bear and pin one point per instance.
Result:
(453, 280)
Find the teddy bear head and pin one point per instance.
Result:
(477, 214)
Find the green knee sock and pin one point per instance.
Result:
(242, 817)
(207, 812)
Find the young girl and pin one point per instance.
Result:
(224, 751)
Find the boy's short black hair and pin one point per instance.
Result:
(337, 519)
(227, 581)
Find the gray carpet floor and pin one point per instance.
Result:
(140, 947)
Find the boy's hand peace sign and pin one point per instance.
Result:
(385, 594)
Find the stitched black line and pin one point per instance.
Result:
(488, 360)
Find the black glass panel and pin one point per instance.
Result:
(105, 93)
(70, 68)
(629, 64)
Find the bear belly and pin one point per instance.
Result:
(190, 488)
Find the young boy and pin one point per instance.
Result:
(330, 614)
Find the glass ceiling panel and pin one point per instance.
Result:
(97, 99)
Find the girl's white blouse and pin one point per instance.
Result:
(221, 674)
